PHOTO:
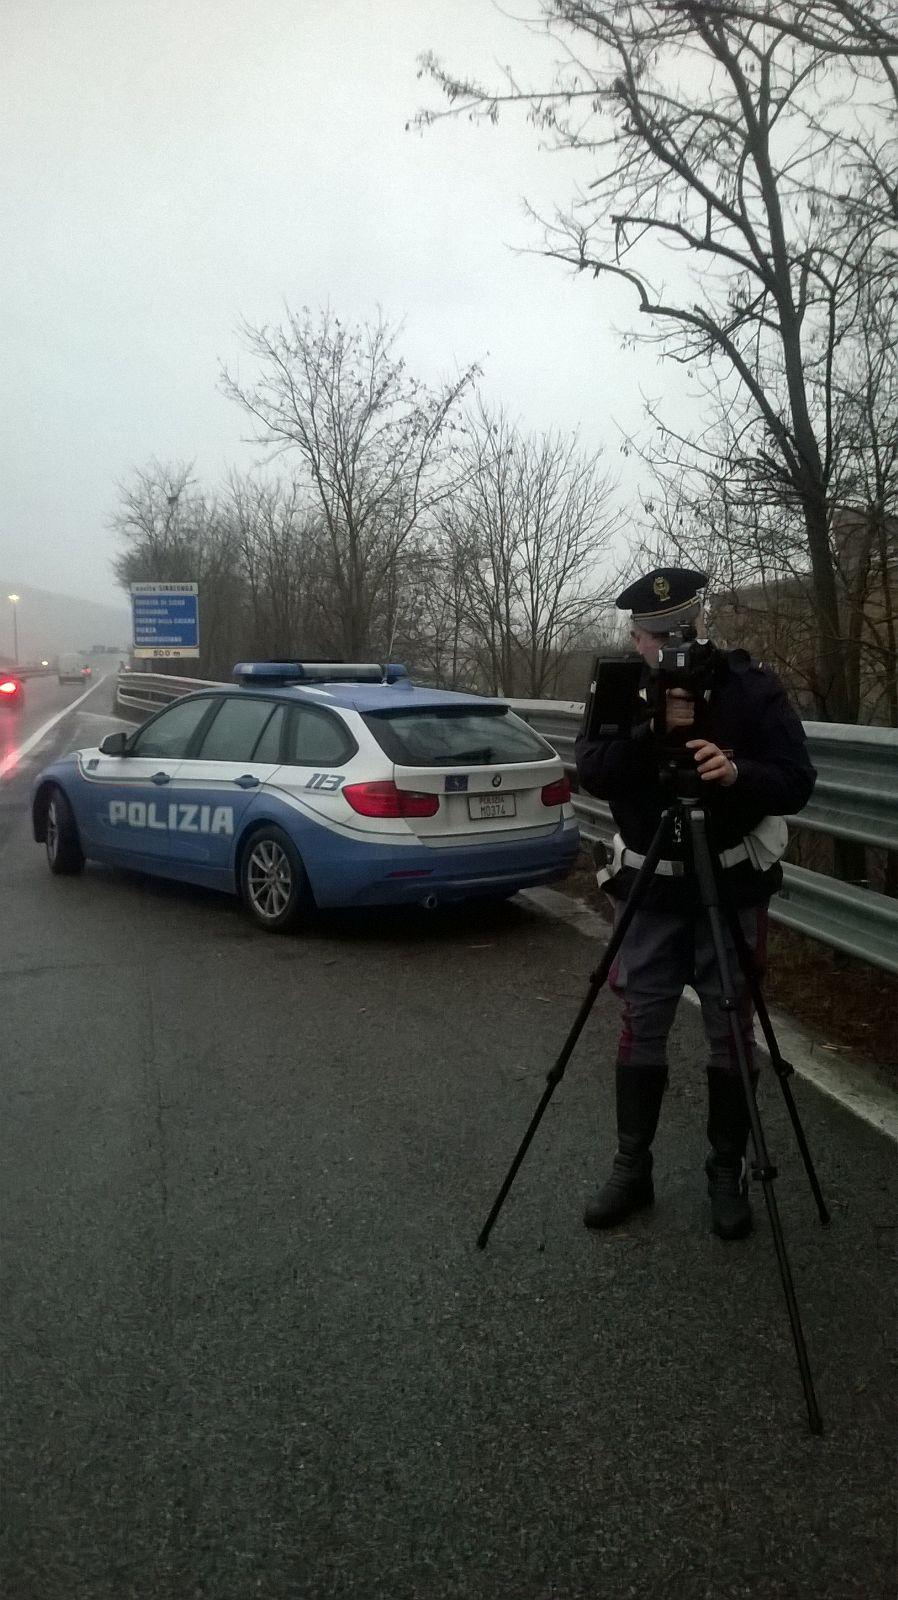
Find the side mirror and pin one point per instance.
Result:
(114, 744)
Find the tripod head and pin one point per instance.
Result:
(679, 777)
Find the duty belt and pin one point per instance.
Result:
(622, 857)
(676, 869)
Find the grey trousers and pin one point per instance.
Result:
(661, 954)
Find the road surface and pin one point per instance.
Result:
(251, 1347)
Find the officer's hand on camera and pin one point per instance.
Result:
(713, 765)
(680, 709)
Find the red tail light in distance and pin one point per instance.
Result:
(385, 800)
(557, 793)
(9, 686)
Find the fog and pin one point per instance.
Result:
(172, 169)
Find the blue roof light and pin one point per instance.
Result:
(287, 672)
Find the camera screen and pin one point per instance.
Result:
(614, 703)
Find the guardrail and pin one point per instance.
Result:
(856, 797)
(856, 794)
(149, 691)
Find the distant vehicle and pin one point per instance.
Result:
(12, 694)
(318, 784)
(72, 669)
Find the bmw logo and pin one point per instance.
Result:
(497, 780)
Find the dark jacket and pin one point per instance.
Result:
(749, 717)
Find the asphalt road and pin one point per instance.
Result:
(251, 1347)
(43, 698)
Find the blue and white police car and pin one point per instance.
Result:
(318, 785)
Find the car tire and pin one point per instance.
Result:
(64, 854)
(273, 883)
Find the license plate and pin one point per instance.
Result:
(483, 806)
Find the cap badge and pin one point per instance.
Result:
(661, 588)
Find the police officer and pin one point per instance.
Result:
(749, 750)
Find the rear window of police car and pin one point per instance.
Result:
(456, 738)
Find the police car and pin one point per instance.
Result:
(318, 785)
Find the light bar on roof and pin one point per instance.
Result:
(284, 672)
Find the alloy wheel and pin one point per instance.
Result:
(52, 836)
(269, 880)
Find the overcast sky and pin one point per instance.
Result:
(173, 166)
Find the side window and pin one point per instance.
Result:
(269, 745)
(236, 729)
(169, 735)
(317, 739)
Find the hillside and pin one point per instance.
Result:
(48, 623)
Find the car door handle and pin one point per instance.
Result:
(247, 781)
(161, 777)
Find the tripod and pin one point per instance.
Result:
(684, 820)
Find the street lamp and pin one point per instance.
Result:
(14, 600)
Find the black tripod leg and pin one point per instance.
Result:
(598, 978)
(762, 1167)
(783, 1068)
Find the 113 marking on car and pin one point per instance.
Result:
(328, 781)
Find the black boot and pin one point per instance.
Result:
(728, 1128)
(630, 1187)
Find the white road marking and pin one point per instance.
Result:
(15, 756)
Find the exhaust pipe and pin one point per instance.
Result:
(429, 902)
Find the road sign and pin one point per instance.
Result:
(165, 620)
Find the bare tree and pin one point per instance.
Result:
(711, 498)
(374, 445)
(174, 533)
(279, 542)
(522, 538)
(748, 142)
(158, 513)
(865, 425)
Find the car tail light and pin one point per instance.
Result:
(557, 793)
(385, 800)
(9, 686)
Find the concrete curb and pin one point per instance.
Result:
(852, 1085)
